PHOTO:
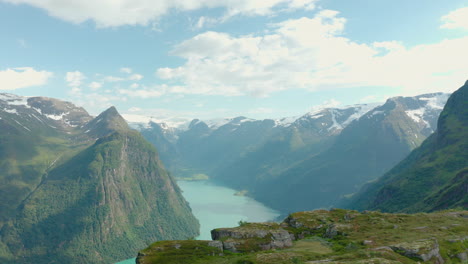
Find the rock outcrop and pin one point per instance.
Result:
(424, 250)
(335, 236)
(253, 237)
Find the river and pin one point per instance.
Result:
(217, 206)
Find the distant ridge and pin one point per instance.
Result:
(434, 176)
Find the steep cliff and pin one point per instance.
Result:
(101, 195)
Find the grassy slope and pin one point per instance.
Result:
(362, 152)
(432, 177)
(378, 229)
(101, 206)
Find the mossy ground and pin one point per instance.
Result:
(361, 238)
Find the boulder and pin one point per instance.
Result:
(253, 237)
(424, 250)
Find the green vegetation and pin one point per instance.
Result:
(432, 177)
(67, 197)
(308, 164)
(335, 236)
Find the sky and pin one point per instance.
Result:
(181, 59)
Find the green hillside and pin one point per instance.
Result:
(432, 177)
(68, 197)
(336, 236)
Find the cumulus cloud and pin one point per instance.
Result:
(204, 21)
(135, 77)
(126, 70)
(144, 12)
(17, 78)
(311, 53)
(113, 79)
(457, 19)
(143, 93)
(95, 86)
(75, 79)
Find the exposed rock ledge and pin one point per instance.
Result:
(340, 236)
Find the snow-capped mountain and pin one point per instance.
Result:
(33, 111)
(332, 120)
(351, 144)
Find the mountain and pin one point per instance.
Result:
(78, 189)
(435, 175)
(337, 237)
(302, 163)
(211, 147)
(362, 152)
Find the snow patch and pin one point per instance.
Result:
(437, 101)
(38, 110)
(11, 111)
(361, 110)
(286, 121)
(317, 116)
(140, 121)
(56, 117)
(22, 125)
(432, 102)
(16, 100)
(217, 122)
(374, 113)
(418, 116)
(335, 125)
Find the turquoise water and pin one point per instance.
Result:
(128, 261)
(216, 206)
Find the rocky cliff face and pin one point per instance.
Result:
(335, 236)
(83, 189)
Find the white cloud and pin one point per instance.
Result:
(142, 93)
(76, 91)
(332, 103)
(113, 79)
(135, 77)
(134, 109)
(144, 12)
(75, 79)
(17, 78)
(456, 19)
(95, 86)
(204, 21)
(311, 54)
(126, 70)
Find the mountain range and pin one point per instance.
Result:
(434, 176)
(81, 189)
(302, 163)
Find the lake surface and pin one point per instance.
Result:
(216, 206)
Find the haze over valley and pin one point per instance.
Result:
(233, 132)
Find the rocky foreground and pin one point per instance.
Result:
(335, 236)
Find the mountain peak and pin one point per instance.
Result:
(111, 111)
(107, 122)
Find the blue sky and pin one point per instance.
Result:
(208, 59)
